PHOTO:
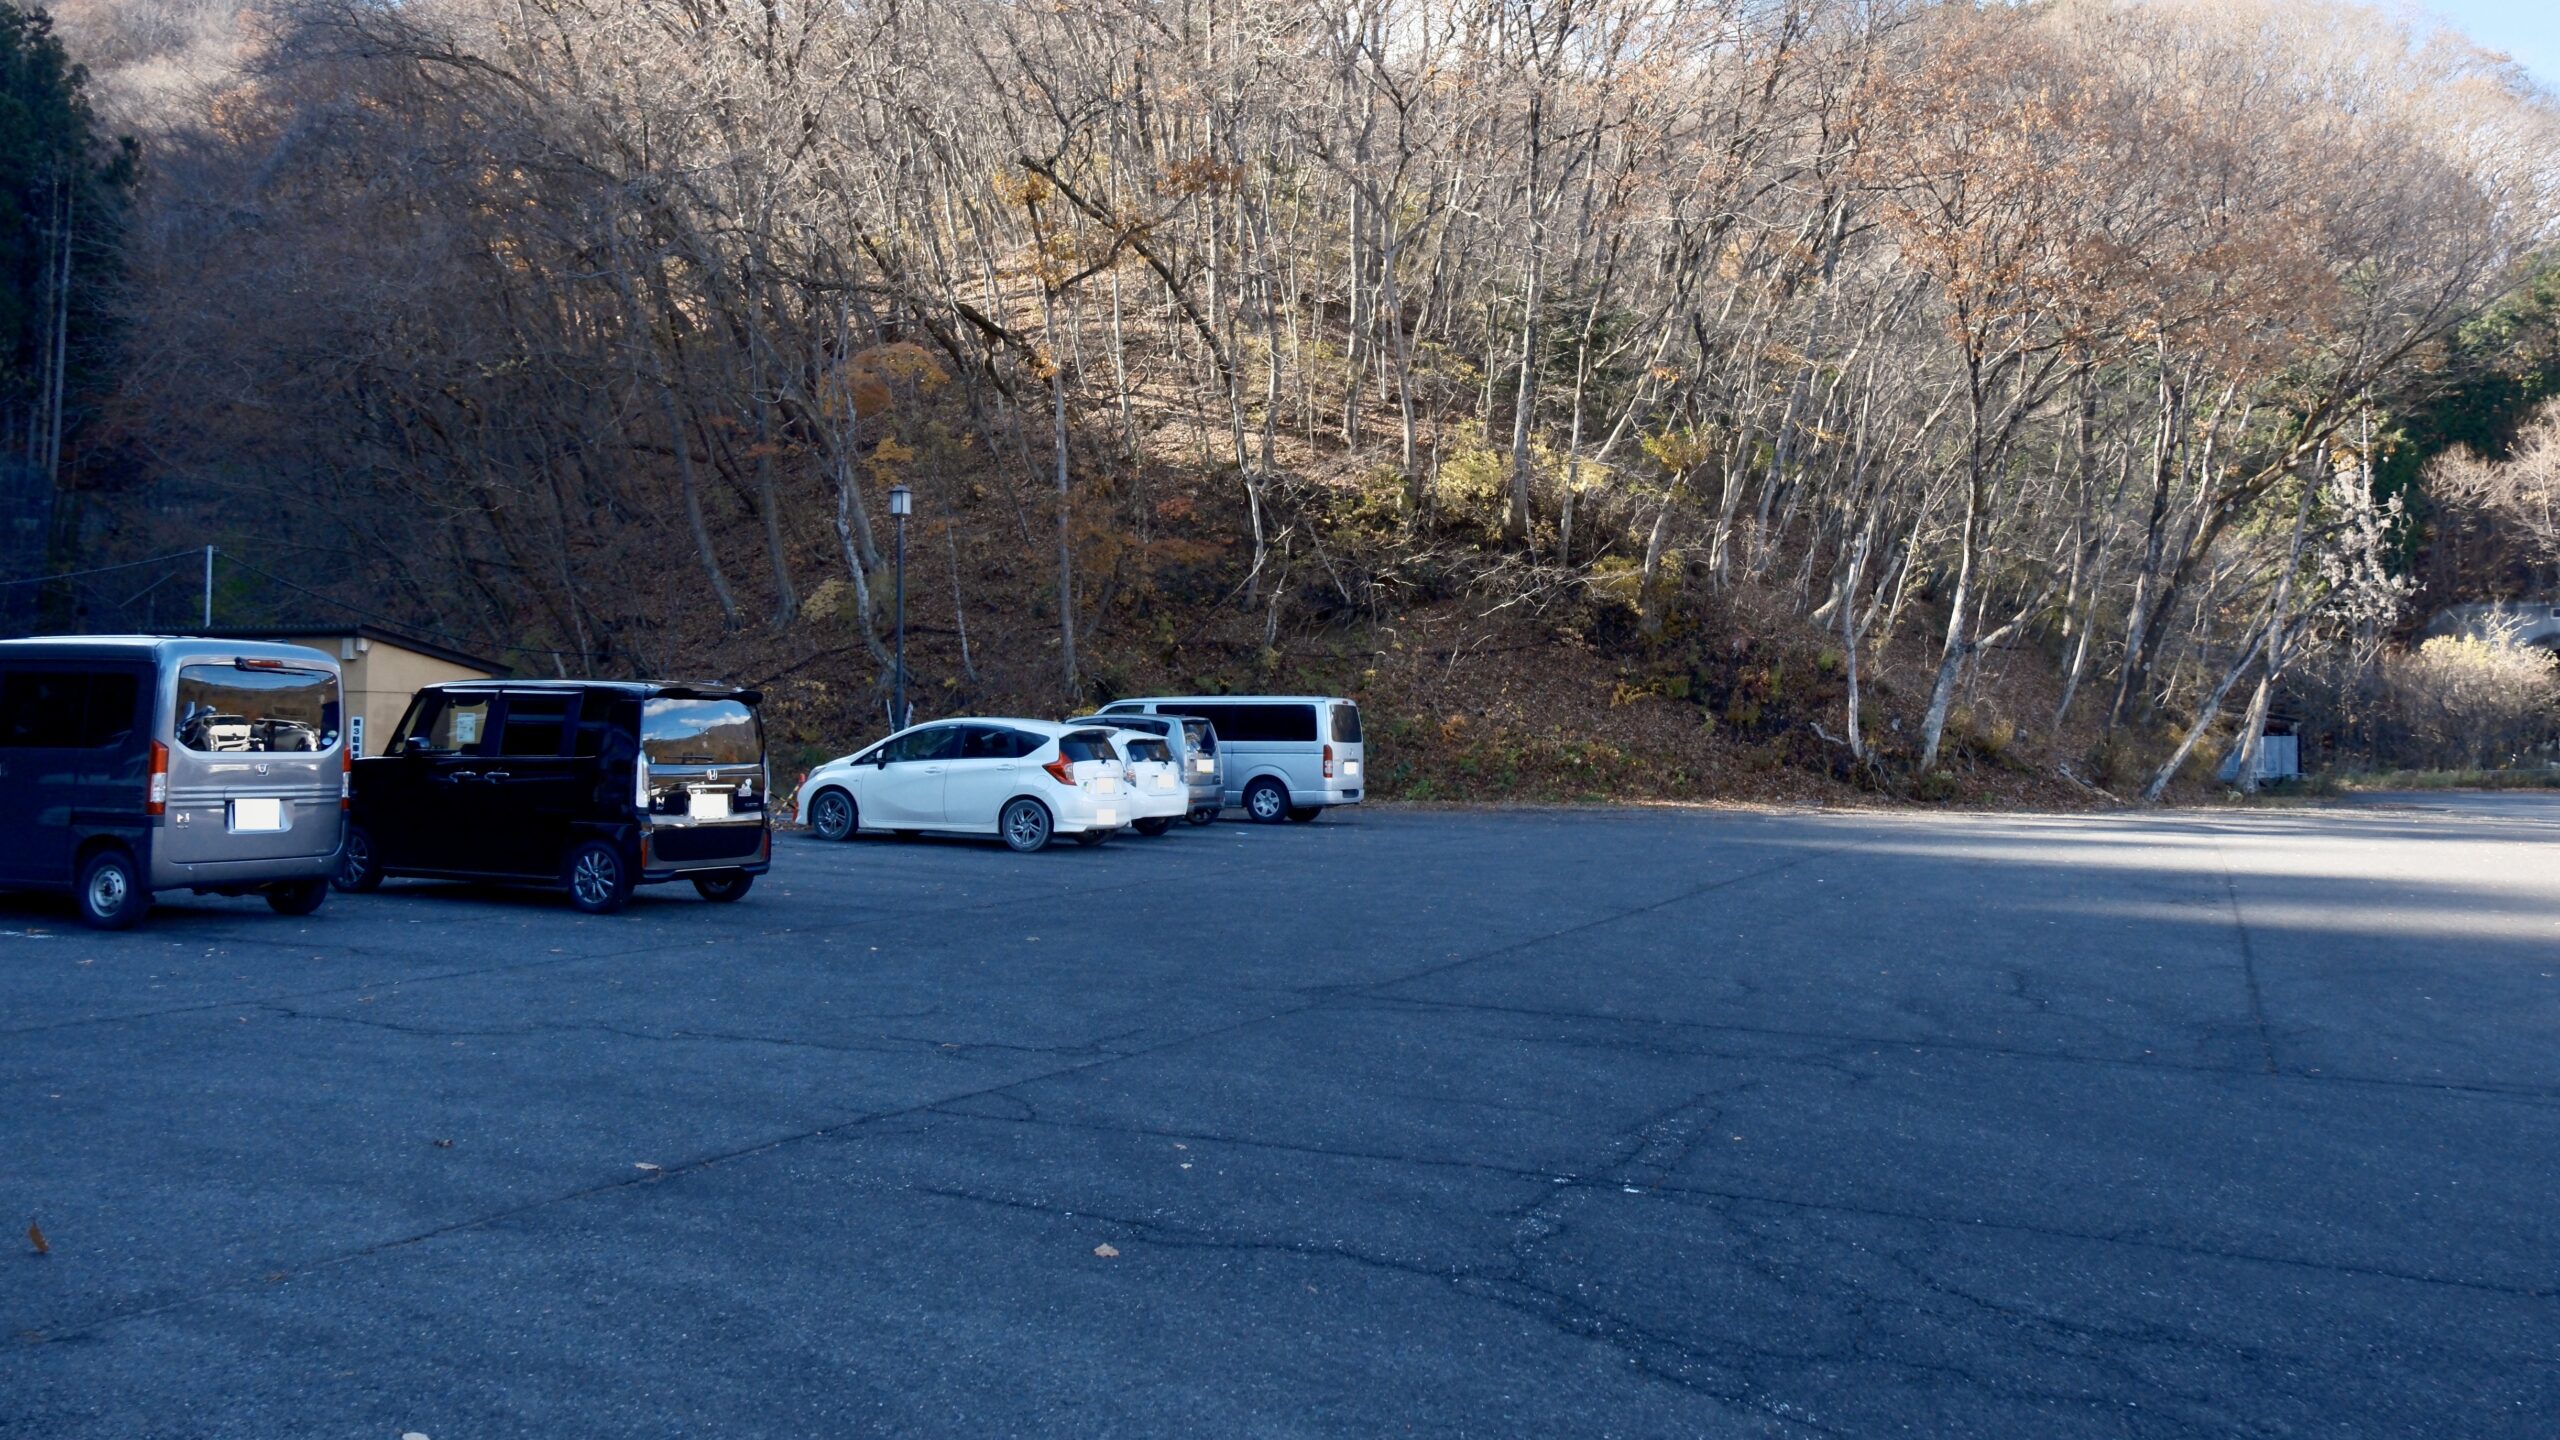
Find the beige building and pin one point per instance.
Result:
(381, 670)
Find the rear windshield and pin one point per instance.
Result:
(699, 732)
(1346, 723)
(1150, 750)
(1204, 740)
(1086, 745)
(225, 708)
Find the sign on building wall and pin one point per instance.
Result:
(355, 736)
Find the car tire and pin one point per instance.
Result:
(1304, 813)
(298, 897)
(1026, 827)
(1155, 825)
(599, 879)
(723, 886)
(1266, 802)
(359, 869)
(1206, 814)
(112, 895)
(833, 815)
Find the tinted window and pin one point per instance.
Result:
(225, 708)
(1346, 723)
(993, 742)
(40, 709)
(1203, 739)
(1086, 745)
(1149, 750)
(114, 700)
(535, 724)
(1265, 724)
(600, 716)
(934, 742)
(699, 732)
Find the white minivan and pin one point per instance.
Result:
(1287, 757)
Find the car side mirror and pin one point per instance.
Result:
(880, 758)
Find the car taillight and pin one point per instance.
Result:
(1062, 770)
(1328, 762)
(640, 784)
(346, 778)
(155, 801)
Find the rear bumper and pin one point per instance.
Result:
(1349, 795)
(232, 874)
(673, 852)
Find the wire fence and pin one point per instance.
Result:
(200, 589)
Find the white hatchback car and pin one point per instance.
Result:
(1024, 781)
(1157, 794)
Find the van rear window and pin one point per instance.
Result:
(699, 732)
(1346, 723)
(223, 708)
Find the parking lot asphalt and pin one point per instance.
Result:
(1648, 1123)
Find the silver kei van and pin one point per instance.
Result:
(131, 765)
(1285, 757)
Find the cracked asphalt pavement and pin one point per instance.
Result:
(1650, 1123)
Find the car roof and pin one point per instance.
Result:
(72, 647)
(1233, 700)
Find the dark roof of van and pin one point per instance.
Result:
(678, 689)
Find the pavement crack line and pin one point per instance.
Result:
(2248, 958)
(114, 1316)
(1617, 1174)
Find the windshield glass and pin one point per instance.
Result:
(226, 708)
(699, 732)
(1346, 722)
(1149, 750)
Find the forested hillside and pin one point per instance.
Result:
(1621, 397)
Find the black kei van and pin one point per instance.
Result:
(135, 764)
(592, 786)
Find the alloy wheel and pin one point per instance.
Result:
(832, 816)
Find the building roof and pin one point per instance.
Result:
(374, 633)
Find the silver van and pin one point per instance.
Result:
(1285, 757)
(136, 764)
(1194, 743)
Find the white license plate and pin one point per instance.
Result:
(1107, 785)
(1350, 767)
(1205, 767)
(1106, 816)
(251, 817)
(1164, 782)
(710, 805)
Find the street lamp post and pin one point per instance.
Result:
(902, 502)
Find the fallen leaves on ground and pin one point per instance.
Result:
(1107, 1251)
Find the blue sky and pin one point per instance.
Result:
(2527, 29)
